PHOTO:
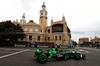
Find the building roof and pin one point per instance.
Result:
(31, 22)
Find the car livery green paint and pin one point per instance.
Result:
(43, 56)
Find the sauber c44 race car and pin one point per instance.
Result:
(43, 56)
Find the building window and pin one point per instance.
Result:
(30, 30)
(30, 37)
(25, 29)
(36, 29)
(55, 37)
(59, 37)
(48, 30)
(38, 38)
(45, 38)
(41, 30)
(48, 38)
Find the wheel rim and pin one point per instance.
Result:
(42, 58)
(78, 55)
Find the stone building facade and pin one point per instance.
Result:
(81, 40)
(58, 33)
(96, 39)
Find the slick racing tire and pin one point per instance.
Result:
(42, 58)
(77, 56)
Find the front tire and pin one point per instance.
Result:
(42, 58)
(77, 56)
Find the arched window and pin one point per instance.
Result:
(38, 38)
(48, 38)
(30, 37)
(59, 37)
(41, 30)
(36, 29)
(48, 30)
(30, 30)
(25, 29)
(55, 37)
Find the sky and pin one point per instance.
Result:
(82, 16)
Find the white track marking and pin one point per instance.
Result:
(13, 49)
(10, 49)
(13, 53)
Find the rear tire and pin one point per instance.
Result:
(42, 58)
(77, 56)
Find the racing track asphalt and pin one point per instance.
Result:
(26, 58)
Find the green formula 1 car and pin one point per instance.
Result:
(43, 56)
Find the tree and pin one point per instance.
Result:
(10, 31)
(74, 43)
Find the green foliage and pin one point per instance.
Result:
(10, 31)
(74, 43)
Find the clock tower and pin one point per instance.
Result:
(43, 18)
